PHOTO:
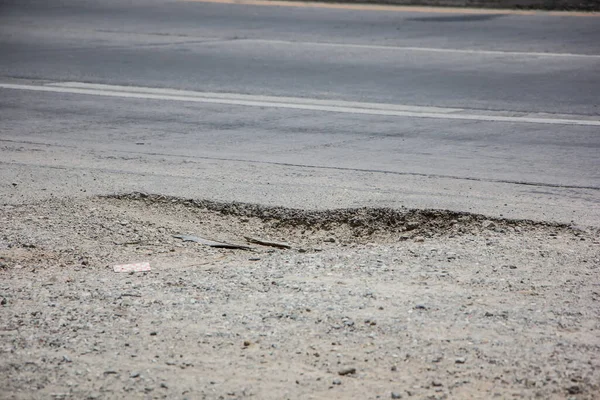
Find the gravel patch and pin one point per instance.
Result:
(366, 303)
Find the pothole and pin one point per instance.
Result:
(103, 230)
(358, 222)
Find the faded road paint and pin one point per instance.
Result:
(393, 110)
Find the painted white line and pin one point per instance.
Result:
(298, 104)
(428, 49)
(268, 99)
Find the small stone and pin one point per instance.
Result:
(3, 301)
(436, 383)
(394, 368)
(67, 359)
(396, 395)
(420, 307)
(412, 225)
(337, 382)
(488, 224)
(247, 343)
(419, 239)
(154, 333)
(460, 360)
(574, 389)
(347, 371)
(134, 375)
(330, 240)
(164, 386)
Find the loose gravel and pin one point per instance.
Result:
(367, 303)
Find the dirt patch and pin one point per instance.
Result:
(366, 303)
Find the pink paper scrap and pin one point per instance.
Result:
(136, 267)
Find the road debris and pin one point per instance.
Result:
(267, 243)
(211, 243)
(347, 371)
(135, 267)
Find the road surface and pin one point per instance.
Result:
(307, 107)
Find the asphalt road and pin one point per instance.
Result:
(311, 107)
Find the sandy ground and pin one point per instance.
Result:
(366, 304)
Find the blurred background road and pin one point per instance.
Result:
(495, 112)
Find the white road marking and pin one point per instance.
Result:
(395, 110)
(269, 99)
(428, 49)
